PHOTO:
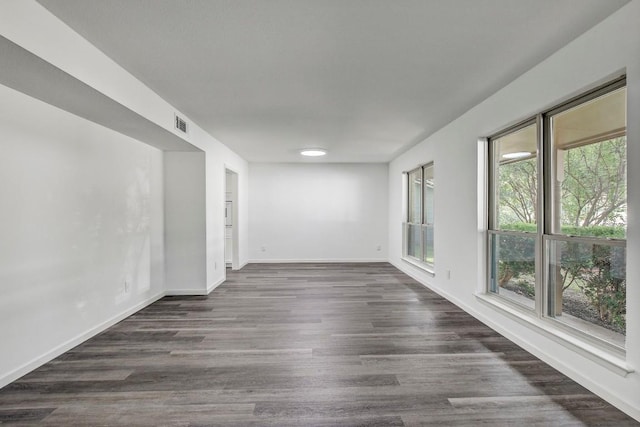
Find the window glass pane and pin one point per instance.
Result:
(588, 287)
(427, 231)
(428, 195)
(513, 268)
(415, 196)
(414, 244)
(516, 180)
(590, 186)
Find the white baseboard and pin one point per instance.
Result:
(320, 260)
(186, 292)
(240, 267)
(211, 287)
(68, 345)
(194, 292)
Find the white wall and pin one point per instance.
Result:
(81, 214)
(219, 158)
(27, 24)
(31, 26)
(597, 55)
(318, 212)
(185, 223)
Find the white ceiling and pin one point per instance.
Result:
(365, 79)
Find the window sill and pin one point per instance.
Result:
(605, 355)
(421, 265)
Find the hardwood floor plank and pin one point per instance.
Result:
(23, 414)
(302, 345)
(55, 374)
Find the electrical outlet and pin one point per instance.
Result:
(448, 274)
(263, 248)
(379, 248)
(126, 286)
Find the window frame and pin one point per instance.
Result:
(407, 224)
(541, 314)
(493, 206)
(550, 156)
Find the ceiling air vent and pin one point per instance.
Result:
(181, 124)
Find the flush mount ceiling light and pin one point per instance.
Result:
(313, 152)
(516, 155)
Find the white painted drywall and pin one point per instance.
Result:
(185, 223)
(81, 215)
(29, 25)
(601, 53)
(318, 212)
(219, 158)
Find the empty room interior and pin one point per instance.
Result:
(319, 212)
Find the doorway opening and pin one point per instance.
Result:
(231, 250)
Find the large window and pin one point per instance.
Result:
(418, 228)
(513, 231)
(557, 220)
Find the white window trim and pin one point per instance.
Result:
(422, 265)
(591, 347)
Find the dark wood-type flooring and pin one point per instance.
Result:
(303, 345)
